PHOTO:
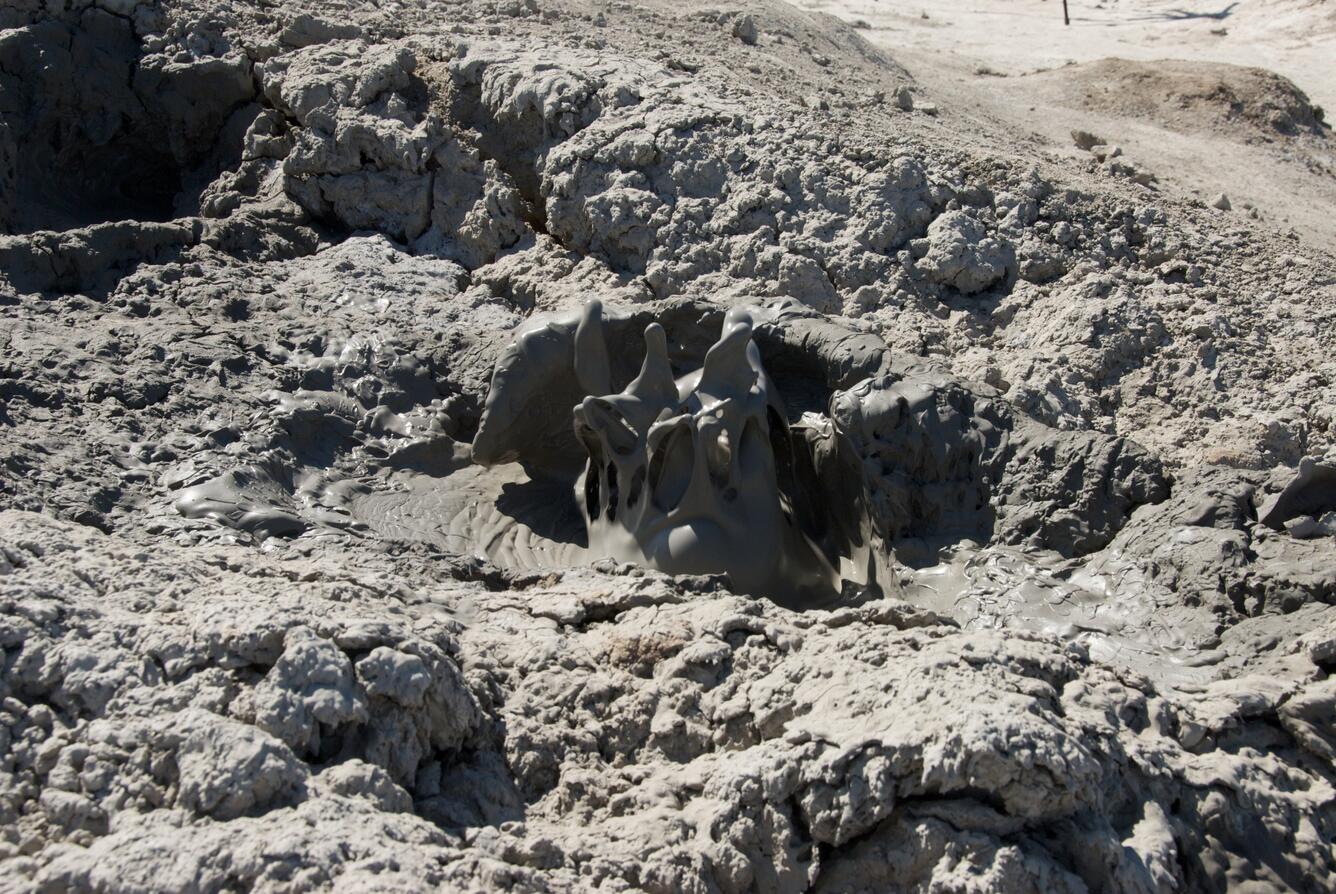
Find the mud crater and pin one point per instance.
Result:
(95, 130)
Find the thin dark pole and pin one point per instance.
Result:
(1066, 20)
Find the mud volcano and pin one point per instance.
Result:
(693, 474)
(548, 447)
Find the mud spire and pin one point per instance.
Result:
(655, 385)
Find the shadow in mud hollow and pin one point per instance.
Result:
(93, 132)
(547, 507)
(80, 184)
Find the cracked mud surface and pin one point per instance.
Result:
(269, 622)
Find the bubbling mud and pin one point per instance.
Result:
(682, 474)
(696, 471)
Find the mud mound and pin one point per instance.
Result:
(1248, 104)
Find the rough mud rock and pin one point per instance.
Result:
(960, 254)
(752, 747)
(230, 769)
(268, 622)
(91, 258)
(359, 154)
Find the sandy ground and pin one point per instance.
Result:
(1008, 61)
(1295, 38)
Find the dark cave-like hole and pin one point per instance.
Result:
(93, 132)
(128, 178)
(613, 494)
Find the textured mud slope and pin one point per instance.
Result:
(611, 730)
(267, 625)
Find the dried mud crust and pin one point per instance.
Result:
(333, 723)
(1082, 409)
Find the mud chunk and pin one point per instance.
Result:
(229, 769)
(358, 779)
(388, 673)
(306, 30)
(963, 255)
(309, 694)
(1086, 140)
(744, 29)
